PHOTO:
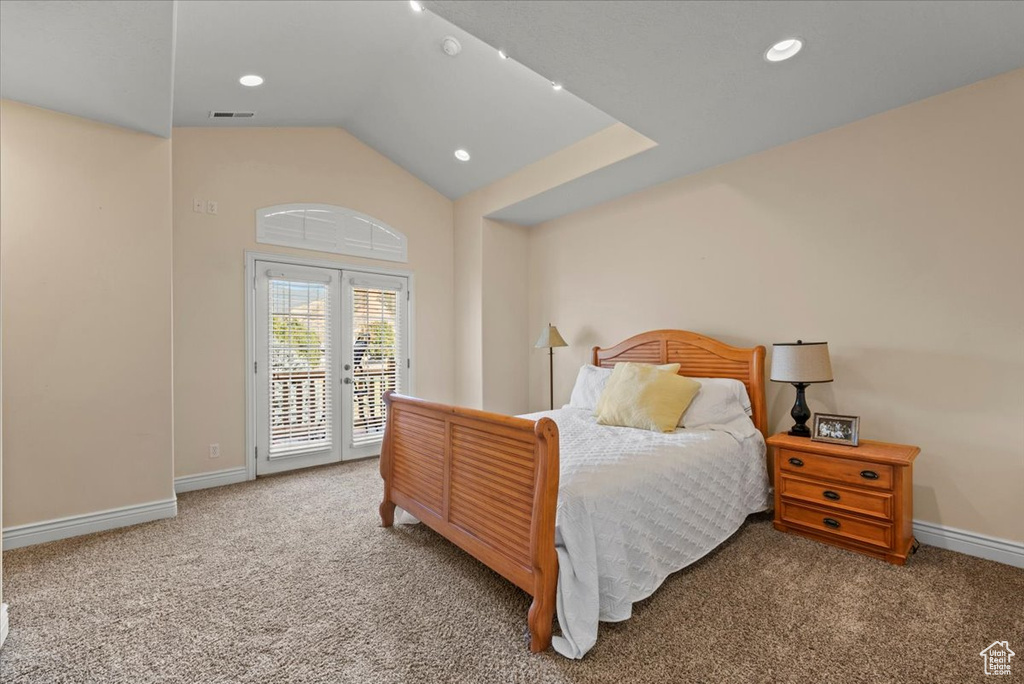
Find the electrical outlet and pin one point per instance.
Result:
(197, 205)
(211, 207)
(215, 451)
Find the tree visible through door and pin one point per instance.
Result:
(377, 360)
(302, 314)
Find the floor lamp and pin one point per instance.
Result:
(550, 339)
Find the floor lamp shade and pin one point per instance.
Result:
(549, 339)
(801, 363)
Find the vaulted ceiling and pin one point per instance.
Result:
(108, 61)
(689, 75)
(376, 69)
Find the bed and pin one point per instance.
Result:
(618, 511)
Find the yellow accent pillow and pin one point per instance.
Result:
(641, 395)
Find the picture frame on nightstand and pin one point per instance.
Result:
(836, 429)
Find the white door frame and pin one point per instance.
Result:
(308, 456)
(249, 285)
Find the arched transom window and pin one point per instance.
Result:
(327, 228)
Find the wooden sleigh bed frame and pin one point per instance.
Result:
(489, 482)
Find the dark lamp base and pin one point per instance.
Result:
(800, 412)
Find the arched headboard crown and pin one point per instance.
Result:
(698, 356)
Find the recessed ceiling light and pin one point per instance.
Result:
(451, 46)
(556, 86)
(416, 6)
(462, 155)
(783, 50)
(502, 54)
(251, 80)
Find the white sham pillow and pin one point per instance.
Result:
(590, 382)
(719, 402)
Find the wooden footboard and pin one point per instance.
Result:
(487, 482)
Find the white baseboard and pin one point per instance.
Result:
(217, 478)
(970, 543)
(3, 623)
(75, 525)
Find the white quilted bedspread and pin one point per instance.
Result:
(635, 506)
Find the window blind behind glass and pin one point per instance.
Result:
(376, 358)
(300, 367)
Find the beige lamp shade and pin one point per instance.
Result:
(801, 362)
(549, 337)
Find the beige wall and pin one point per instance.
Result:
(86, 278)
(2, 637)
(898, 239)
(468, 300)
(506, 337)
(483, 267)
(243, 170)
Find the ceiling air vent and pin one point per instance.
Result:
(232, 115)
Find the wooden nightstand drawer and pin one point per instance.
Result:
(860, 498)
(838, 524)
(862, 501)
(860, 473)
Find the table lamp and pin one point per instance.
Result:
(801, 363)
(550, 338)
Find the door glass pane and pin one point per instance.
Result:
(376, 359)
(300, 367)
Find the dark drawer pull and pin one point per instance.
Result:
(797, 462)
(829, 494)
(831, 522)
(869, 474)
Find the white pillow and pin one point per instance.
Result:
(590, 383)
(719, 402)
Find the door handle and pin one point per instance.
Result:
(348, 366)
(347, 381)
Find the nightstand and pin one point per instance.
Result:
(859, 498)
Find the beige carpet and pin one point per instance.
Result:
(290, 579)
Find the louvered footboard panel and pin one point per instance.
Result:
(487, 482)
(492, 481)
(418, 458)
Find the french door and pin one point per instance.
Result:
(328, 344)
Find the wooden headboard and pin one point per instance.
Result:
(698, 357)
